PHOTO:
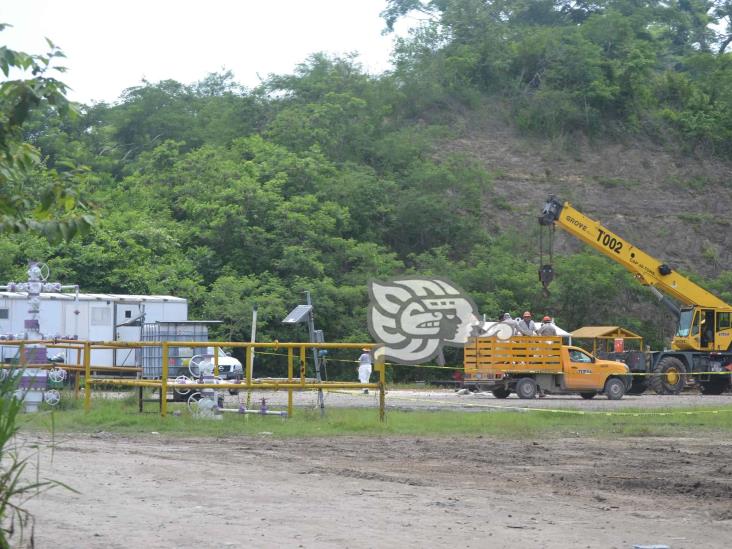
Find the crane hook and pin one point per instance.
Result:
(546, 275)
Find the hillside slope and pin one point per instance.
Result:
(674, 206)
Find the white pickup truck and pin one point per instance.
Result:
(201, 366)
(229, 367)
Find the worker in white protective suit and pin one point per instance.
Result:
(364, 367)
(547, 327)
(506, 319)
(526, 326)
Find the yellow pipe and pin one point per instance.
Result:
(77, 377)
(126, 382)
(380, 367)
(127, 344)
(290, 368)
(164, 381)
(302, 366)
(87, 376)
(273, 386)
(77, 367)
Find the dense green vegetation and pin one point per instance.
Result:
(323, 179)
(658, 67)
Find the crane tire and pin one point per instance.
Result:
(669, 376)
(715, 386)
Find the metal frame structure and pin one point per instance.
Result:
(293, 382)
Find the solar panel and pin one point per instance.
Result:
(298, 314)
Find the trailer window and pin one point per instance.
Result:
(101, 316)
(4, 314)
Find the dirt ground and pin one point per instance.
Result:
(258, 491)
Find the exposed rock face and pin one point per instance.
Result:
(674, 206)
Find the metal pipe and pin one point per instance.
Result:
(272, 386)
(248, 374)
(281, 413)
(74, 368)
(380, 365)
(666, 302)
(302, 366)
(164, 381)
(260, 345)
(290, 367)
(77, 377)
(87, 376)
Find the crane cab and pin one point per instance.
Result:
(703, 329)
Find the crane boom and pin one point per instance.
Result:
(645, 268)
(702, 344)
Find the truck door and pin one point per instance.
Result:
(127, 328)
(706, 329)
(579, 372)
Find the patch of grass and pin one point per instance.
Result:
(695, 183)
(502, 204)
(121, 416)
(616, 182)
(703, 219)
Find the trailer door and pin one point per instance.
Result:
(128, 328)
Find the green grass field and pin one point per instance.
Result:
(121, 416)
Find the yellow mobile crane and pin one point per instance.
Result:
(702, 345)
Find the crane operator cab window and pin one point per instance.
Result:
(695, 325)
(685, 323)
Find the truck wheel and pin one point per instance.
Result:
(501, 392)
(588, 396)
(526, 388)
(614, 389)
(669, 376)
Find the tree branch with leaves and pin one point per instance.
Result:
(33, 197)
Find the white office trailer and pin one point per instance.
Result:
(92, 317)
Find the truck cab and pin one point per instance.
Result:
(229, 367)
(528, 366)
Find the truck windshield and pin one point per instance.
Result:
(685, 323)
(210, 351)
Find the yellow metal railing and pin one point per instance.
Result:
(85, 348)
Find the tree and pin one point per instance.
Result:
(31, 196)
(723, 13)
